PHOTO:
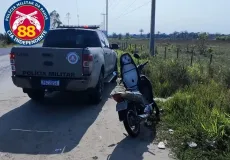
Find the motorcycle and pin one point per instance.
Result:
(137, 93)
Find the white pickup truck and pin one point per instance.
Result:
(72, 58)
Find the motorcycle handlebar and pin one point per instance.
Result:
(140, 67)
(145, 63)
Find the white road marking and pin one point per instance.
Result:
(63, 150)
(22, 130)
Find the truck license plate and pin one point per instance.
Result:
(121, 106)
(50, 83)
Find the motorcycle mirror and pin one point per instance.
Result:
(136, 56)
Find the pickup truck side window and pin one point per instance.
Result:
(71, 38)
(106, 40)
(103, 44)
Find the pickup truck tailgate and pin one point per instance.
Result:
(48, 62)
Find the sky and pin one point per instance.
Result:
(171, 15)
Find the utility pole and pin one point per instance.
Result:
(77, 13)
(78, 19)
(104, 25)
(152, 29)
(68, 17)
(107, 16)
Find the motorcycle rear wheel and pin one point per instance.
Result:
(131, 122)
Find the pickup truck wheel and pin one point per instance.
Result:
(36, 95)
(97, 92)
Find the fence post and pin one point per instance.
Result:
(135, 48)
(165, 52)
(156, 50)
(141, 47)
(192, 58)
(210, 60)
(177, 53)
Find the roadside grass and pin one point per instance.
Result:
(199, 111)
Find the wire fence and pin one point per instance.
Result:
(171, 51)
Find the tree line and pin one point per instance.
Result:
(184, 35)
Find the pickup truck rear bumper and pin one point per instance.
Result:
(77, 84)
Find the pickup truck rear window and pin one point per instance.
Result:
(71, 38)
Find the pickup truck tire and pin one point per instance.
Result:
(97, 92)
(36, 95)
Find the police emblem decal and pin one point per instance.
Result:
(27, 22)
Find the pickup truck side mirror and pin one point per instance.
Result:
(114, 46)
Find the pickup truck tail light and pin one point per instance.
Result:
(12, 62)
(87, 64)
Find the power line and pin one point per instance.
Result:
(133, 10)
(114, 6)
(110, 4)
(128, 6)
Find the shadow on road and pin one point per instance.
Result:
(56, 125)
(134, 148)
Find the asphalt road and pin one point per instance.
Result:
(64, 127)
(4, 51)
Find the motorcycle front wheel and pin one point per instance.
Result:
(131, 122)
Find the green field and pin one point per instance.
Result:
(199, 83)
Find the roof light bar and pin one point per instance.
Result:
(75, 26)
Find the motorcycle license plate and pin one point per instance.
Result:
(121, 106)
